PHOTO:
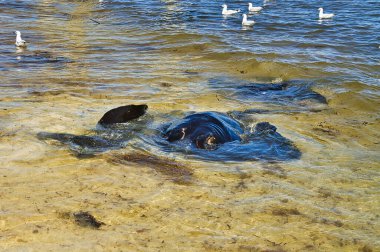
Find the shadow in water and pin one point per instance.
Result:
(173, 170)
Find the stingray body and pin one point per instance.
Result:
(205, 130)
(281, 92)
(286, 96)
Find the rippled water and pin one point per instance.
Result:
(85, 57)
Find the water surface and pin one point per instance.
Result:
(86, 57)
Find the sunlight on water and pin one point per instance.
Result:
(181, 57)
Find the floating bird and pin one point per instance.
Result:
(19, 41)
(323, 15)
(253, 8)
(245, 22)
(228, 12)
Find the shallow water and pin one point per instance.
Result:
(85, 58)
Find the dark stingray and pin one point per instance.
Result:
(280, 92)
(111, 133)
(205, 130)
(41, 57)
(295, 95)
(32, 59)
(263, 144)
(83, 146)
(207, 135)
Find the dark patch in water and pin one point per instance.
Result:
(40, 57)
(174, 170)
(274, 169)
(285, 211)
(29, 59)
(165, 84)
(292, 94)
(365, 248)
(191, 73)
(82, 146)
(85, 219)
(47, 92)
(326, 221)
(280, 92)
(324, 127)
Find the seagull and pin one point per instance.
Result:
(228, 12)
(19, 41)
(322, 15)
(245, 22)
(253, 8)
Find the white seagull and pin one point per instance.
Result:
(324, 15)
(245, 22)
(253, 8)
(228, 12)
(19, 41)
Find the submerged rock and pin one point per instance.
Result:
(85, 219)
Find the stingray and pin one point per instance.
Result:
(205, 135)
(294, 96)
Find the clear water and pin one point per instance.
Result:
(85, 57)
